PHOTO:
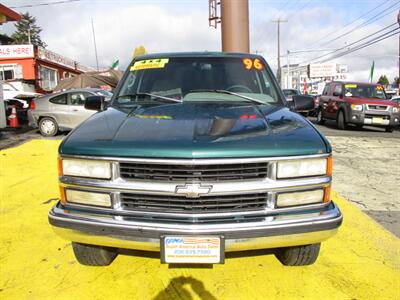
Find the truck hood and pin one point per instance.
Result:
(196, 130)
(377, 101)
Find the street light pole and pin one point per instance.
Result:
(287, 70)
(95, 47)
(278, 73)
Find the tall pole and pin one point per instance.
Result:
(95, 47)
(235, 25)
(29, 36)
(278, 73)
(398, 21)
(287, 71)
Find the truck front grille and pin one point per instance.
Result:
(204, 204)
(377, 107)
(190, 173)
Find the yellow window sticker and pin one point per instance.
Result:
(157, 63)
(350, 86)
(379, 88)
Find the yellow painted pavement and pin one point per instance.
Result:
(360, 262)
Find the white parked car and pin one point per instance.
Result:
(62, 111)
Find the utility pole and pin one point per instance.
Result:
(287, 70)
(234, 19)
(278, 73)
(398, 21)
(29, 36)
(95, 47)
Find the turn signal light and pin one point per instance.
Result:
(60, 166)
(327, 194)
(329, 166)
(62, 195)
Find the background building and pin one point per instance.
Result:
(31, 68)
(315, 76)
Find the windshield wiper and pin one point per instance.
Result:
(150, 95)
(228, 93)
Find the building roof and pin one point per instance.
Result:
(7, 14)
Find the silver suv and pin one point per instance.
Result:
(62, 111)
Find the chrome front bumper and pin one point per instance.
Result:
(275, 230)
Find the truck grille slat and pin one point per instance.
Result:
(205, 204)
(223, 172)
(377, 107)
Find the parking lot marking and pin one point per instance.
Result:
(360, 262)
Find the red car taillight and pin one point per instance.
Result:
(32, 104)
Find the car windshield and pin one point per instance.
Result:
(364, 91)
(198, 79)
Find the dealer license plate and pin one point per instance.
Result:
(192, 249)
(377, 120)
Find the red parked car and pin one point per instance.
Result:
(359, 104)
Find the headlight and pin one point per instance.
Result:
(395, 109)
(358, 107)
(303, 168)
(86, 168)
(299, 198)
(88, 198)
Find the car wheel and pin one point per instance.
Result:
(389, 129)
(299, 255)
(90, 255)
(341, 121)
(320, 118)
(48, 126)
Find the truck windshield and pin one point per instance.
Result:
(199, 79)
(364, 91)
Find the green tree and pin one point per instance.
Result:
(27, 30)
(383, 80)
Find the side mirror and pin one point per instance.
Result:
(94, 103)
(303, 103)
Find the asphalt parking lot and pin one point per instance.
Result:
(360, 262)
(366, 170)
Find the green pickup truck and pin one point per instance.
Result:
(196, 155)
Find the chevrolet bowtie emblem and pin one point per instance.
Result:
(193, 190)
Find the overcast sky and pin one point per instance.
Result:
(165, 26)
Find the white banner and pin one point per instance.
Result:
(322, 70)
(16, 51)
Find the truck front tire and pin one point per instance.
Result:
(341, 121)
(298, 255)
(90, 255)
(389, 129)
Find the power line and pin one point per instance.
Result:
(356, 42)
(366, 44)
(346, 25)
(44, 4)
(299, 9)
(365, 23)
(359, 47)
